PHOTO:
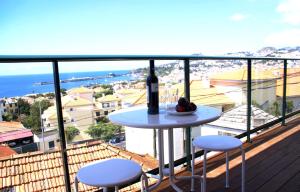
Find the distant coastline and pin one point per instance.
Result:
(20, 85)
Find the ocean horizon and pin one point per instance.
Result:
(20, 85)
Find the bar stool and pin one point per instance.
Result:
(217, 143)
(110, 173)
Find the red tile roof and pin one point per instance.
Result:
(6, 151)
(7, 126)
(13, 135)
(44, 172)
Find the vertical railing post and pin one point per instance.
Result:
(187, 95)
(249, 90)
(61, 126)
(284, 91)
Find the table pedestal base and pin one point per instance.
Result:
(168, 171)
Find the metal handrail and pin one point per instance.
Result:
(54, 59)
(65, 58)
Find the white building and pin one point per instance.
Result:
(234, 85)
(234, 122)
(82, 92)
(47, 141)
(105, 105)
(78, 111)
(9, 105)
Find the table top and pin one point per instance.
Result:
(109, 172)
(217, 142)
(139, 118)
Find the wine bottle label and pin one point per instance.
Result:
(154, 87)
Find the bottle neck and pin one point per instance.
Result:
(152, 68)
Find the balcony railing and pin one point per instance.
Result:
(55, 59)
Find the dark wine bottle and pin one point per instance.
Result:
(152, 91)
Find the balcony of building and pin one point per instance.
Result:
(272, 164)
(272, 156)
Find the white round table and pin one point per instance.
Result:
(108, 173)
(218, 143)
(137, 117)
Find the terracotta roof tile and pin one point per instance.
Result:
(7, 126)
(43, 171)
(6, 151)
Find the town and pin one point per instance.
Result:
(28, 124)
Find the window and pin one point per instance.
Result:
(16, 111)
(105, 112)
(97, 113)
(48, 125)
(105, 105)
(26, 141)
(10, 105)
(4, 110)
(72, 120)
(51, 145)
(12, 144)
(71, 109)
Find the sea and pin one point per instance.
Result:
(20, 85)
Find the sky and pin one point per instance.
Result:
(134, 27)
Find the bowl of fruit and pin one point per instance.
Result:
(183, 107)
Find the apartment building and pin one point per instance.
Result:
(9, 105)
(105, 105)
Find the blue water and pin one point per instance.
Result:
(20, 85)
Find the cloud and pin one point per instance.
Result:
(284, 38)
(290, 10)
(238, 17)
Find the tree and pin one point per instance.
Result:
(95, 131)
(104, 119)
(33, 121)
(254, 103)
(70, 133)
(106, 86)
(24, 107)
(104, 92)
(102, 131)
(275, 109)
(7, 117)
(50, 95)
(63, 91)
(289, 106)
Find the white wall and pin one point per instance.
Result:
(264, 92)
(235, 93)
(140, 141)
(1, 113)
(39, 139)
